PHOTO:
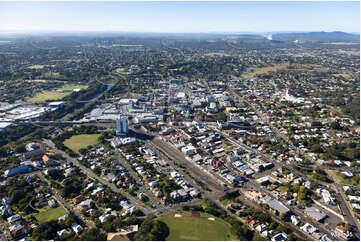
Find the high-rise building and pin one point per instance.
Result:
(122, 125)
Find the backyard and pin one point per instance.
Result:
(50, 214)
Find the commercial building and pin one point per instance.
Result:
(122, 126)
(315, 214)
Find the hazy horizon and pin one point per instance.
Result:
(179, 17)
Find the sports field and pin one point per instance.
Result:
(192, 227)
(48, 96)
(78, 142)
(50, 214)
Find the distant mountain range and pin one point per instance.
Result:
(336, 36)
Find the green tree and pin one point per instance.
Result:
(93, 234)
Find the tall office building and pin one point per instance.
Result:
(122, 125)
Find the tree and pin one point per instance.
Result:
(336, 125)
(152, 230)
(281, 228)
(193, 141)
(284, 216)
(93, 235)
(302, 193)
(20, 148)
(316, 148)
(46, 231)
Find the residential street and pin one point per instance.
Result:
(88, 172)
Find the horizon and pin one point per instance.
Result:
(179, 17)
(163, 33)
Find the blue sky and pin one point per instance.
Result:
(180, 16)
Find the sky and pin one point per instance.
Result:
(182, 17)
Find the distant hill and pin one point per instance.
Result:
(318, 36)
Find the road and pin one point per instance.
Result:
(89, 173)
(346, 209)
(126, 165)
(64, 203)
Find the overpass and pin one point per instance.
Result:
(55, 123)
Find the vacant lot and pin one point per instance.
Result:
(197, 228)
(48, 96)
(72, 87)
(50, 214)
(78, 142)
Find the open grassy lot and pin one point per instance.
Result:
(264, 70)
(51, 75)
(78, 142)
(197, 228)
(122, 70)
(36, 67)
(48, 96)
(344, 75)
(50, 214)
(340, 178)
(72, 87)
(216, 54)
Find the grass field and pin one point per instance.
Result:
(264, 70)
(48, 96)
(344, 75)
(51, 75)
(196, 229)
(78, 142)
(36, 67)
(122, 70)
(72, 87)
(339, 178)
(50, 214)
(216, 54)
